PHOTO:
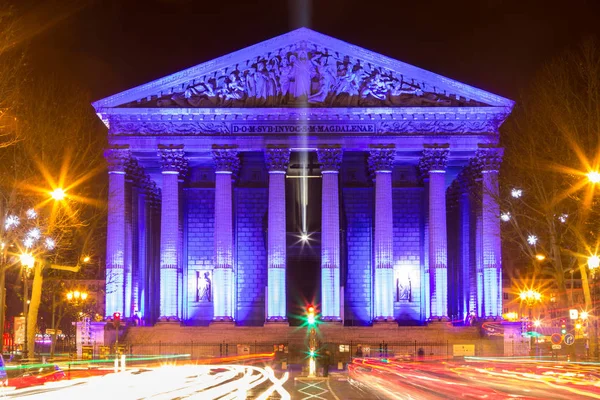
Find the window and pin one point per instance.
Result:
(505, 296)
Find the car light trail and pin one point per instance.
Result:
(166, 382)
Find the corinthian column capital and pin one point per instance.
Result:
(330, 158)
(382, 158)
(434, 159)
(172, 158)
(117, 158)
(277, 158)
(489, 158)
(226, 159)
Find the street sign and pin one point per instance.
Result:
(569, 339)
(556, 338)
(573, 314)
(556, 347)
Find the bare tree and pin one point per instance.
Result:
(552, 142)
(61, 147)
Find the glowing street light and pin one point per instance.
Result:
(537, 323)
(516, 193)
(505, 216)
(593, 177)
(58, 194)
(540, 257)
(27, 260)
(593, 262)
(304, 237)
(532, 240)
(86, 259)
(584, 315)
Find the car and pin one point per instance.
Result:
(36, 375)
(3, 375)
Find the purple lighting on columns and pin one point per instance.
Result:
(489, 160)
(226, 163)
(172, 162)
(330, 160)
(381, 161)
(115, 241)
(434, 162)
(277, 162)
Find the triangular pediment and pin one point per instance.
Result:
(303, 68)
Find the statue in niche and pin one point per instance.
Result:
(403, 289)
(301, 74)
(204, 286)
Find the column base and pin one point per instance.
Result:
(385, 322)
(439, 319)
(335, 320)
(277, 322)
(222, 322)
(168, 319)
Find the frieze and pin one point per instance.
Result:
(303, 73)
(330, 158)
(277, 159)
(420, 127)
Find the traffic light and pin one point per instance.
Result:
(310, 315)
(117, 319)
(563, 327)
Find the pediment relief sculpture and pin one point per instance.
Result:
(304, 75)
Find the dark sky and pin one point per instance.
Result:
(112, 45)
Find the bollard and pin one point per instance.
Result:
(123, 363)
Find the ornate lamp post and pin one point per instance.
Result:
(593, 264)
(530, 297)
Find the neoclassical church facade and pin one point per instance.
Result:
(303, 162)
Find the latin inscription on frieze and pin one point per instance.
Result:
(300, 127)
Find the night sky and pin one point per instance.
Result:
(108, 46)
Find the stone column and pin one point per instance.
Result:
(330, 160)
(468, 299)
(381, 161)
(434, 162)
(115, 236)
(172, 161)
(489, 160)
(135, 175)
(226, 163)
(277, 160)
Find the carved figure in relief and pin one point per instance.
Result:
(285, 70)
(327, 79)
(302, 73)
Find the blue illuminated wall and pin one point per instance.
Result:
(358, 207)
(200, 220)
(250, 219)
(408, 241)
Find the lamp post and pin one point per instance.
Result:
(593, 264)
(530, 297)
(27, 262)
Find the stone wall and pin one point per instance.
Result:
(250, 224)
(199, 237)
(358, 208)
(407, 205)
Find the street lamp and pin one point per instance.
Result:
(530, 297)
(58, 194)
(593, 176)
(593, 264)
